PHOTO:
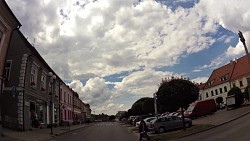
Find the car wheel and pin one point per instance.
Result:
(187, 125)
(161, 130)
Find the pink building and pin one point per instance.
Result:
(66, 101)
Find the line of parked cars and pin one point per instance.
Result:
(169, 121)
(164, 122)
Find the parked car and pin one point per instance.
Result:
(147, 121)
(165, 114)
(200, 108)
(166, 123)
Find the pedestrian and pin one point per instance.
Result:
(143, 129)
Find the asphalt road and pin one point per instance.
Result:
(101, 131)
(237, 130)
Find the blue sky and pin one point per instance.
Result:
(113, 52)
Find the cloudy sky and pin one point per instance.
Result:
(113, 52)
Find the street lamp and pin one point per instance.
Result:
(242, 39)
(52, 78)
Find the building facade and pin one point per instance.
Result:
(29, 89)
(8, 23)
(234, 74)
(66, 101)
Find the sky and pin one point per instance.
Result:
(114, 52)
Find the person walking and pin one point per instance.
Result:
(143, 130)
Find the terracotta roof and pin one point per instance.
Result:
(242, 68)
(220, 75)
(201, 86)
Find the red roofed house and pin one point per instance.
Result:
(224, 78)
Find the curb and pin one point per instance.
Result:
(65, 132)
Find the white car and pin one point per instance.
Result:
(147, 121)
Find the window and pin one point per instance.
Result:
(225, 89)
(210, 83)
(33, 76)
(241, 84)
(234, 84)
(223, 78)
(68, 98)
(61, 94)
(220, 90)
(64, 97)
(43, 82)
(57, 90)
(206, 94)
(212, 93)
(216, 92)
(7, 69)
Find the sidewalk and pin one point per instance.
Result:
(222, 116)
(38, 134)
(218, 118)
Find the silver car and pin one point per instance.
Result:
(147, 121)
(168, 123)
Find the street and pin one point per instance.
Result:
(105, 131)
(232, 131)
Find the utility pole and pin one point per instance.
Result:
(156, 113)
(242, 39)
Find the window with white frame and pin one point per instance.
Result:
(7, 69)
(33, 76)
(43, 82)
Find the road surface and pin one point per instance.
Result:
(237, 130)
(101, 131)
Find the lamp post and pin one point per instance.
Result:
(52, 78)
(242, 39)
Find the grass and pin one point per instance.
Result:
(170, 135)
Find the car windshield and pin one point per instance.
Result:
(190, 108)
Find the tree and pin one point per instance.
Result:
(112, 117)
(239, 99)
(176, 93)
(143, 106)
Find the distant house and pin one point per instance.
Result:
(234, 74)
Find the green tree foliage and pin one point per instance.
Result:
(112, 117)
(143, 106)
(239, 99)
(176, 93)
(219, 100)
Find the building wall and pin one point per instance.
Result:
(223, 94)
(66, 100)
(29, 74)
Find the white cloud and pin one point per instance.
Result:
(200, 79)
(86, 40)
